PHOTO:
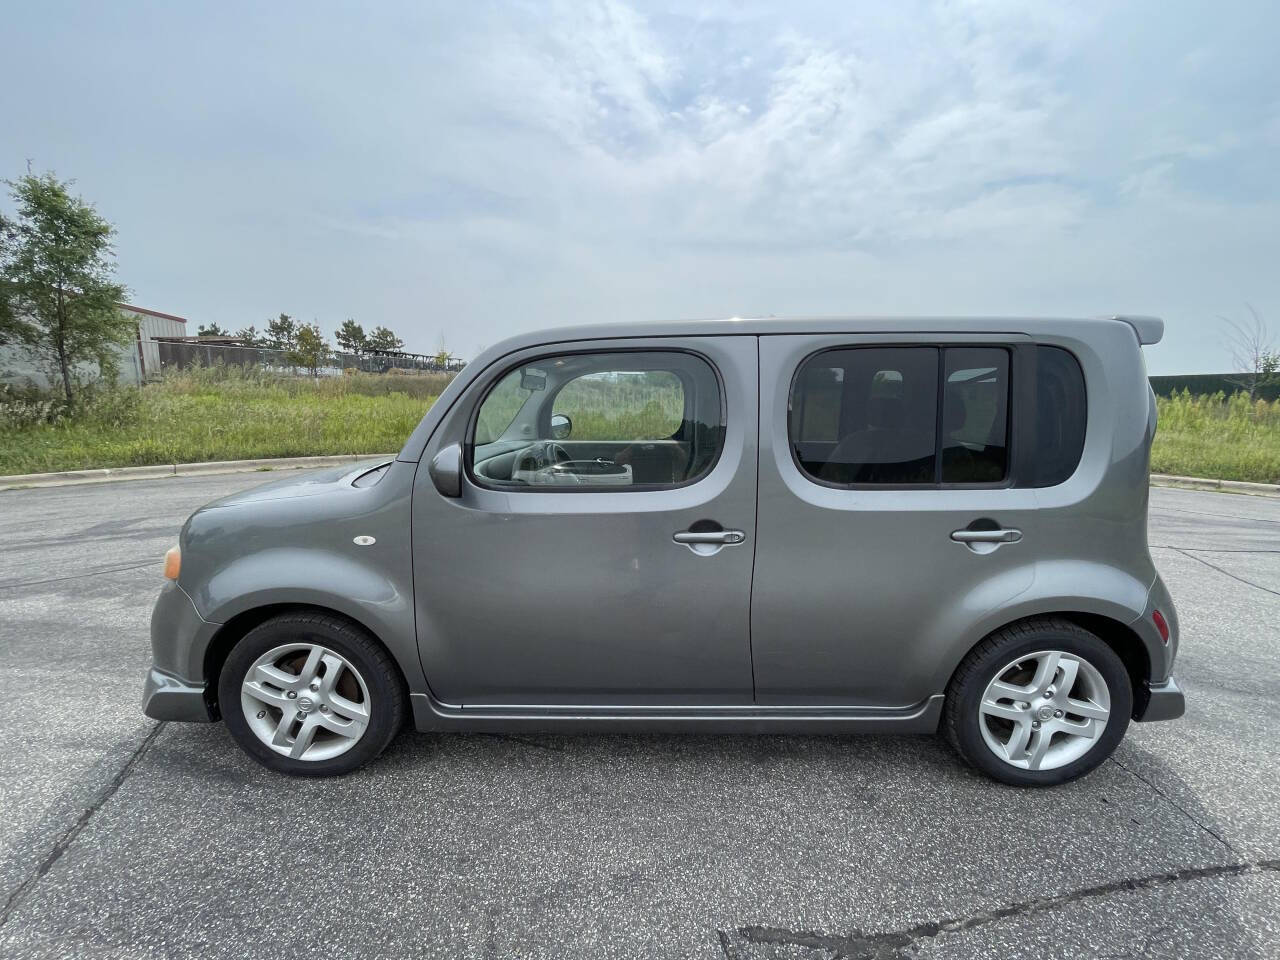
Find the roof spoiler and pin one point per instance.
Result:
(1149, 329)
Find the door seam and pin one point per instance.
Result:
(755, 540)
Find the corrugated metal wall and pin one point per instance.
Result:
(139, 360)
(147, 355)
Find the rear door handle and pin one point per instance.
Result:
(709, 536)
(986, 536)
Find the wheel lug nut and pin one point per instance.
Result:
(1035, 724)
(323, 708)
(292, 694)
(315, 684)
(1057, 713)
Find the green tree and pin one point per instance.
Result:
(249, 336)
(58, 291)
(310, 349)
(211, 330)
(350, 337)
(383, 339)
(14, 328)
(281, 332)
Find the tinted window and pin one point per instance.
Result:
(871, 415)
(867, 415)
(975, 415)
(816, 407)
(603, 421)
(1060, 416)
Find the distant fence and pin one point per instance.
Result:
(1204, 384)
(177, 355)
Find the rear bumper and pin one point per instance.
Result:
(166, 697)
(1159, 701)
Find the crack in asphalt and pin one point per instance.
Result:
(1173, 546)
(1220, 516)
(108, 531)
(69, 835)
(11, 584)
(893, 945)
(524, 741)
(1214, 566)
(1177, 806)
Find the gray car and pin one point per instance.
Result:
(763, 526)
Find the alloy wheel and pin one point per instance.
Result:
(1044, 710)
(305, 701)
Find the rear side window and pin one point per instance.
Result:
(867, 415)
(1060, 416)
(894, 416)
(975, 415)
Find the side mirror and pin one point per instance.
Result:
(446, 470)
(561, 427)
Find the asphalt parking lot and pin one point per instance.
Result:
(125, 838)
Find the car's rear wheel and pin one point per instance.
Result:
(1038, 703)
(311, 694)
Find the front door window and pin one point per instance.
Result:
(608, 421)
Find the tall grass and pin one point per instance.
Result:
(651, 408)
(219, 415)
(1228, 438)
(642, 409)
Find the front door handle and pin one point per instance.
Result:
(709, 536)
(986, 536)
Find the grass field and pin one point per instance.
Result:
(1229, 439)
(217, 414)
(213, 415)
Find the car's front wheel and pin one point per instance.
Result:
(1038, 703)
(311, 694)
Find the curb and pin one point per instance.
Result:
(1224, 486)
(112, 474)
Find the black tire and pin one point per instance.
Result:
(387, 695)
(960, 718)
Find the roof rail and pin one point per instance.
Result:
(1149, 329)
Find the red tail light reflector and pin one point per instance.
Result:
(1161, 624)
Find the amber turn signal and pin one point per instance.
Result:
(172, 563)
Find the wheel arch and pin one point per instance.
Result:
(1116, 634)
(239, 626)
(1126, 643)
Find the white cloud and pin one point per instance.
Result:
(843, 145)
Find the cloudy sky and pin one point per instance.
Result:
(472, 170)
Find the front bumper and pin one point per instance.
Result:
(166, 697)
(1159, 701)
(179, 637)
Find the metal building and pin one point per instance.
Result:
(139, 360)
(146, 356)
